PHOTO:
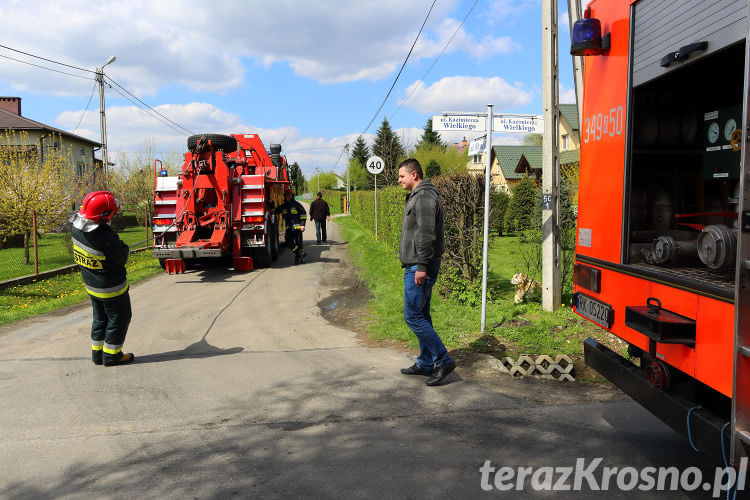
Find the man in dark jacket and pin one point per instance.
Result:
(319, 212)
(101, 256)
(295, 219)
(420, 250)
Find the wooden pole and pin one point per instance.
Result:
(36, 252)
(145, 224)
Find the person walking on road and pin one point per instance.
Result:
(295, 219)
(320, 212)
(420, 250)
(101, 256)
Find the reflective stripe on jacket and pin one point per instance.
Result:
(101, 256)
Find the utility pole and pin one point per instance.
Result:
(551, 250)
(317, 170)
(574, 14)
(102, 118)
(348, 168)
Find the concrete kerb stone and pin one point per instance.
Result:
(544, 366)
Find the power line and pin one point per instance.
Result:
(399, 71)
(45, 67)
(48, 60)
(313, 147)
(86, 108)
(438, 57)
(149, 107)
(125, 96)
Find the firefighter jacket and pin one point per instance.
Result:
(101, 255)
(293, 213)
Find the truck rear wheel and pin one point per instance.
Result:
(262, 257)
(274, 242)
(226, 143)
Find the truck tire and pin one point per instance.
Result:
(226, 143)
(274, 242)
(262, 257)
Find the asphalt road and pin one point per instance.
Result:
(242, 389)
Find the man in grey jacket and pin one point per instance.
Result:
(420, 249)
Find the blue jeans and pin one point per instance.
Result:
(320, 226)
(432, 352)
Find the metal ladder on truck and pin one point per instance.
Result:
(740, 430)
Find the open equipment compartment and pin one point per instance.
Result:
(683, 173)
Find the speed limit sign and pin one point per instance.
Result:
(375, 165)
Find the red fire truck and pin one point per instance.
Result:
(220, 206)
(663, 248)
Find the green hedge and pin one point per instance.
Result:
(335, 200)
(391, 202)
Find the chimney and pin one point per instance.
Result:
(463, 143)
(11, 104)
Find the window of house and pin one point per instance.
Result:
(55, 145)
(477, 158)
(564, 142)
(80, 170)
(83, 151)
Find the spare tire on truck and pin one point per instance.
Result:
(226, 143)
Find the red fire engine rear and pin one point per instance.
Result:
(220, 205)
(660, 260)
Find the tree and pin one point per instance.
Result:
(34, 182)
(521, 211)
(297, 178)
(132, 182)
(388, 146)
(432, 169)
(359, 177)
(499, 201)
(360, 152)
(429, 136)
(328, 180)
(533, 140)
(451, 161)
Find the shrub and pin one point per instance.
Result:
(520, 214)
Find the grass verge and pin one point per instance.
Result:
(21, 302)
(52, 253)
(510, 329)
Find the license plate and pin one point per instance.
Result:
(600, 313)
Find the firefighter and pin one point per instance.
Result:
(101, 256)
(295, 218)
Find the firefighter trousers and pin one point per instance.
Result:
(109, 327)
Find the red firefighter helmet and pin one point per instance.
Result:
(99, 206)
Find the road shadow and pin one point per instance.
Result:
(198, 350)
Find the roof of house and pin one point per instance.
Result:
(570, 113)
(509, 156)
(13, 121)
(532, 159)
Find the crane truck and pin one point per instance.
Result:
(220, 206)
(663, 240)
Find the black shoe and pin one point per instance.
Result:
(415, 370)
(440, 373)
(126, 358)
(318, 243)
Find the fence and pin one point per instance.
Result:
(54, 250)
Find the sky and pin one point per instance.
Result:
(310, 75)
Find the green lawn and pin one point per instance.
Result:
(25, 301)
(52, 254)
(522, 329)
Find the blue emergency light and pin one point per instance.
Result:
(587, 37)
(162, 173)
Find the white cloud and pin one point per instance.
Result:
(210, 47)
(566, 95)
(466, 93)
